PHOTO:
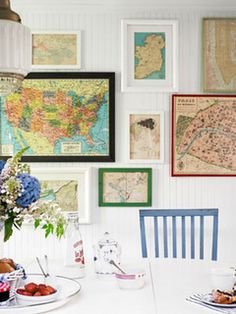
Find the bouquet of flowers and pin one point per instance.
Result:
(20, 200)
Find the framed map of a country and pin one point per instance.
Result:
(56, 50)
(125, 187)
(219, 54)
(149, 55)
(146, 136)
(68, 187)
(61, 117)
(203, 135)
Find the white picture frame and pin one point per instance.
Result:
(56, 50)
(139, 40)
(145, 134)
(78, 177)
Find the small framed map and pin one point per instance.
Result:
(219, 55)
(203, 135)
(146, 136)
(62, 117)
(69, 187)
(149, 55)
(125, 187)
(56, 50)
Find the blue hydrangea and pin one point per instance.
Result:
(2, 164)
(31, 190)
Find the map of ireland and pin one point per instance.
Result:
(149, 56)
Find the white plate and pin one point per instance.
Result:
(207, 298)
(67, 289)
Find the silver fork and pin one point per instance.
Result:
(41, 267)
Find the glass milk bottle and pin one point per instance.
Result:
(74, 261)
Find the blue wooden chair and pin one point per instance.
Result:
(181, 215)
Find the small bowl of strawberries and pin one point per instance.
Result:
(35, 293)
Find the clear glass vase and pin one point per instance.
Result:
(74, 259)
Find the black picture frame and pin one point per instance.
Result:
(110, 113)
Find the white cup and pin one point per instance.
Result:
(222, 278)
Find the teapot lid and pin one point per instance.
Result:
(107, 240)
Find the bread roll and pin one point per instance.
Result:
(6, 268)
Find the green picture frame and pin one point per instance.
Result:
(125, 187)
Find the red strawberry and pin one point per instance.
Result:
(41, 285)
(51, 289)
(44, 291)
(31, 287)
(27, 293)
(20, 291)
(37, 294)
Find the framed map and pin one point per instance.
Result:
(69, 187)
(62, 117)
(203, 135)
(56, 50)
(149, 55)
(219, 54)
(146, 136)
(125, 187)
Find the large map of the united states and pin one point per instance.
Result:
(46, 114)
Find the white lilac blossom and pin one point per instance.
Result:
(20, 200)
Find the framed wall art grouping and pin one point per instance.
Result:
(149, 55)
(145, 136)
(219, 67)
(56, 50)
(125, 187)
(203, 135)
(62, 117)
(69, 187)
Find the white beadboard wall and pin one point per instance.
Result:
(101, 46)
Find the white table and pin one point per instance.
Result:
(168, 283)
(103, 296)
(175, 279)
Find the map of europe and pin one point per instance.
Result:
(205, 135)
(57, 117)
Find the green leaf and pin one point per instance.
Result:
(20, 153)
(60, 230)
(49, 228)
(8, 229)
(37, 223)
(47, 232)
